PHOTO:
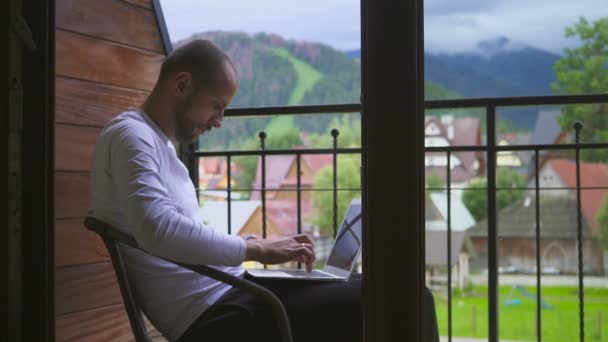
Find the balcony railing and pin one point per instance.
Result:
(491, 149)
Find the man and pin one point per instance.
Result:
(139, 185)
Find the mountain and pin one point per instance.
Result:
(275, 71)
(499, 67)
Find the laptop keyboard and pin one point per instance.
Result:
(304, 274)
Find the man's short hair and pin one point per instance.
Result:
(201, 58)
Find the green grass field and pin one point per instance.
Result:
(518, 322)
(307, 76)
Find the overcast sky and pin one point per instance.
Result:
(450, 25)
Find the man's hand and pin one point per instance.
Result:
(277, 251)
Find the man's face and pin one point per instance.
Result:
(203, 110)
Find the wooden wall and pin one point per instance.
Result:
(108, 54)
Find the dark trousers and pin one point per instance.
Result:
(318, 311)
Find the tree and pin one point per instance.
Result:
(602, 219)
(434, 183)
(349, 128)
(511, 185)
(584, 70)
(349, 177)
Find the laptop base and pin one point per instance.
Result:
(294, 274)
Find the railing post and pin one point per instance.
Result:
(299, 193)
(262, 137)
(581, 295)
(229, 192)
(538, 263)
(492, 227)
(449, 241)
(334, 134)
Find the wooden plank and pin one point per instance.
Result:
(111, 19)
(74, 146)
(71, 194)
(92, 59)
(109, 323)
(90, 103)
(85, 287)
(141, 3)
(75, 244)
(99, 325)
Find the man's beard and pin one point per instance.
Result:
(184, 127)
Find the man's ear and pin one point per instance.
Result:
(182, 84)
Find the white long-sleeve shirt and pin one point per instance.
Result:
(140, 186)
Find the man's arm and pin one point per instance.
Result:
(157, 225)
(160, 229)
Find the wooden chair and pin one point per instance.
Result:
(112, 237)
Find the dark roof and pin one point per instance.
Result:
(546, 129)
(558, 219)
(436, 247)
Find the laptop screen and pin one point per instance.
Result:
(348, 239)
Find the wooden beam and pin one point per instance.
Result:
(71, 194)
(75, 244)
(74, 147)
(108, 19)
(141, 3)
(92, 104)
(109, 323)
(85, 287)
(87, 58)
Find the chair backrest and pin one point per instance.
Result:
(112, 237)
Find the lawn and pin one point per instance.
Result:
(518, 322)
(307, 76)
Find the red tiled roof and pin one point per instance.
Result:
(592, 175)
(293, 181)
(277, 168)
(318, 161)
(209, 165)
(284, 214)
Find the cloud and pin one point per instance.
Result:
(539, 23)
(334, 22)
(450, 26)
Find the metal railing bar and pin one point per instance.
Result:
(262, 137)
(276, 152)
(525, 188)
(548, 100)
(476, 148)
(299, 186)
(537, 240)
(492, 230)
(449, 242)
(334, 134)
(291, 110)
(281, 189)
(579, 237)
(229, 190)
(513, 148)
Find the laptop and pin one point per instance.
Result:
(342, 257)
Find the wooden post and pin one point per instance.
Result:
(474, 320)
(599, 326)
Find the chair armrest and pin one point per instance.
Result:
(112, 235)
(256, 290)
